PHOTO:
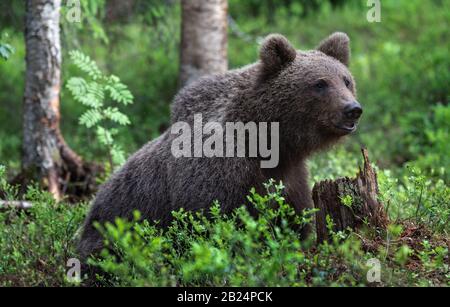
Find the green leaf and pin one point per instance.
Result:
(6, 50)
(104, 136)
(90, 118)
(118, 91)
(84, 63)
(78, 87)
(116, 116)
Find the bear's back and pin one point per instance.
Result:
(211, 95)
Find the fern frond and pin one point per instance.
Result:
(118, 155)
(116, 116)
(78, 87)
(104, 136)
(85, 63)
(90, 118)
(119, 91)
(91, 92)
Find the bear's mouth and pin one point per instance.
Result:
(347, 127)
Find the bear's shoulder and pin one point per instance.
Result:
(210, 95)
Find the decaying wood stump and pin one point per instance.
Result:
(328, 197)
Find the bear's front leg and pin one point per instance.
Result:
(298, 192)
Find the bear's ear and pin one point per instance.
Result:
(276, 51)
(337, 45)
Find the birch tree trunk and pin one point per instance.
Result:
(45, 155)
(203, 39)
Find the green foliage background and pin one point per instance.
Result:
(401, 65)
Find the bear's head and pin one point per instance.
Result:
(312, 93)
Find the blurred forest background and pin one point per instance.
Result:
(401, 65)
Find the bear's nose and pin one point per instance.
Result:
(353, 110)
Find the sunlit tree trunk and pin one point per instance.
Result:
(46, 156)
(203, 39)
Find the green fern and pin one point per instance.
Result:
(84, 63)
(102, 95)
(91, 118)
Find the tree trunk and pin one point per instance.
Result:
(364, 208)
(120, 10)
(203, 39)
(46, 156)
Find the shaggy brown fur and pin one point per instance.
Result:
(311, 94)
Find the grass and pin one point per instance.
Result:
(236, 249)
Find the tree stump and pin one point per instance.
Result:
(364, 208)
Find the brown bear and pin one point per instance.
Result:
(311, 95)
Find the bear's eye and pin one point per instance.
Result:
(321, 85)
(347, 82)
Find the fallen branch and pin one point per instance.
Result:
(16, 204)
(363, 209)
